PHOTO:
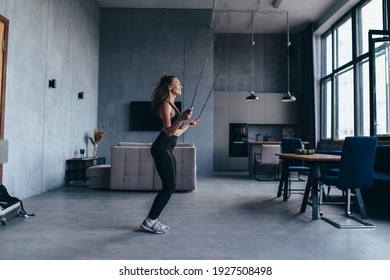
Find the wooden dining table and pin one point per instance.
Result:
(314, 161)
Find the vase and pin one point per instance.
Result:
(94, 151)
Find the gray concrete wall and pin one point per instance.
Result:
(48, 39)
(136, 47)
(113, 66)
(233, 62)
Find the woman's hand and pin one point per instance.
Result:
(194, 122)
(186, 114)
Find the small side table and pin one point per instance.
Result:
(75, 169)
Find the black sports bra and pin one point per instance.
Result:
(177, 113)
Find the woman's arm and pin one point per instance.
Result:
(181, 130)
(174, 129)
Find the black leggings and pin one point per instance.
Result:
(166, 167)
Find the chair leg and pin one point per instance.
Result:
(348, 204)
(275, 174)
(361, 204)
(321, 186)
(299, 178)
(362, 224)
(289, 185)
(254, 168)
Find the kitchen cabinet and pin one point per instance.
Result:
(232, 107)
(274, 109)
(290, 113)
(257, 109)
(238, 107)
(221, 138)
(269, 110)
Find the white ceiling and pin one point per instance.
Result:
(234, 16)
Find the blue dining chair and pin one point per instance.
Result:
(356, 172)
(289, 145)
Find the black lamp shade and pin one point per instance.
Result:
(288, 98)
(252, 97)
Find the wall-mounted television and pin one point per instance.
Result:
(141, 117)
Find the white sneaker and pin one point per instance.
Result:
(156, 227)
(163, 226)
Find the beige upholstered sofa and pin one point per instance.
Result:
(132, 167)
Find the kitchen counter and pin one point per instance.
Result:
(269, 142)
(264, 142)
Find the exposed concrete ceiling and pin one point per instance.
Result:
(235, 16)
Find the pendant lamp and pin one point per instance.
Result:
(288, 97)
(252, 96)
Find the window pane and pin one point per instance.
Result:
(365, 97)
(370, 18)
(345, 105)
(326, 109)
(344, 43)
(328, 54)
(382, 93)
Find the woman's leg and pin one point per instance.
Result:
(166, 168)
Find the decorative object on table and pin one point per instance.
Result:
(82, 151)
(97, 137)
(305, 151)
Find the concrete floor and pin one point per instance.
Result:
(226, 217)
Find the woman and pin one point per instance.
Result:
(163, 105)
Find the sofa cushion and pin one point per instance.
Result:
(102, 170)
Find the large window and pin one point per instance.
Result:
(345, 104)
(345, 88)
(343, 34)
(370, 17)
(382, 90)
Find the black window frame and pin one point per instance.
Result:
(355, 63)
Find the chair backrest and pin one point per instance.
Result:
(357, 162)
(382, 157)
(289, 145)
(268, 154)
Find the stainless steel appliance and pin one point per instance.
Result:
(238, 140)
